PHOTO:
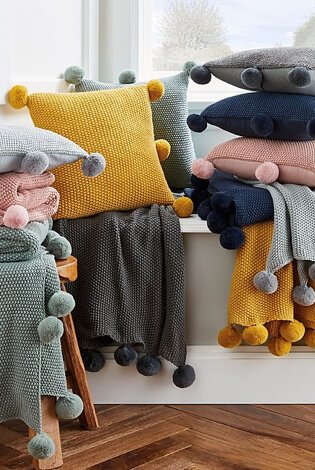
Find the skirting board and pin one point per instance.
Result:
(248, 375)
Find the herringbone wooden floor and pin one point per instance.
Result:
(229, 437)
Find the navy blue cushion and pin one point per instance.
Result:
(261, 114)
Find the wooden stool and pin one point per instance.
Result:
(76, 378)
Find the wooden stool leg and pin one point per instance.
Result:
(75, 366)
(50, 426)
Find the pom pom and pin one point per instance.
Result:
(35, 163)
(184, 376)
(198, 197)
(292, 330)
(93, 360)
(311, 271)
(262, 125)
(299, 77)
(202, 168)
(155, 89)
(199, 183)
(163, 149)
(197, 123)
(204, 209)
(309, 338)
(279, 346)
(200, 74)
(252, 78)
(216, 222)
(61, 304)
(18, 96)
(267, 172)
(255, 335)
(229, 337)
(149, 365)
(310, 128)
(266, 282)
(232, 238)
(93, 165)
(125, 355)
(127, 77)
(73, 74)
(50, 329)
(16, 217)
(183, 206)
(223, 203)
(188, 66)
(303, 295)
(69, 407)
(60, 247)
(41, 447)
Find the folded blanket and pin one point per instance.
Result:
(131, 283)
(32, 192)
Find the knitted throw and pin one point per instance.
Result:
(131, 283)
(30, 191)
(247, 306)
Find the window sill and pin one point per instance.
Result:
(193, 224)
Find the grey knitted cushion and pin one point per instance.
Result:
(169, 119)
(18, 142)
(281, 69)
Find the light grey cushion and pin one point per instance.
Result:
(281, 69)
(169, 118)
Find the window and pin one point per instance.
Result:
(174, 31)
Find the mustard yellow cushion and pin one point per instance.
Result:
(116, 123)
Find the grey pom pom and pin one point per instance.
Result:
(93, 360)
(50, 329)
(184, 376)
(35, 163)
(266, 282)
(93, 165)
(149, 365)
(188, 66)
(60, 247)
(73, 74)
(61, 304)
(311, 271)
(41, 446)
(127, 77)
(252, 78)
(299, 77)
(69, 407)
(125, 355)
(200, 74)
(303, 295)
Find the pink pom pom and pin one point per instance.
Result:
(16, 217)
(267, 172)
(203, 169)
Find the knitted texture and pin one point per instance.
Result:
(17, 141)
(28, 368)
(169, 121)
(118, 124)
(241, 156)
(30, 191)
(131, 283)
(247, 306)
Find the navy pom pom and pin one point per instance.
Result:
(149, 365)
(252, 78)
(93, 360)
(232, 238)
(204, 209)
(262, 125)
(217, 222)
(299, 77)
(200, 74)
(310, 128)
(198, 197)
(199, 183)
(125, 355)
(196, 122)
(184, 376)
(223, 202)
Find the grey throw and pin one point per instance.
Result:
(131, 280)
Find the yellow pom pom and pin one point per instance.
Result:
(183, 206)
(163, 149)
(18, 96)
(292, 330)
(255, 335)
(279, 346)
(309, 338)
(155, 89)
(229, 337)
